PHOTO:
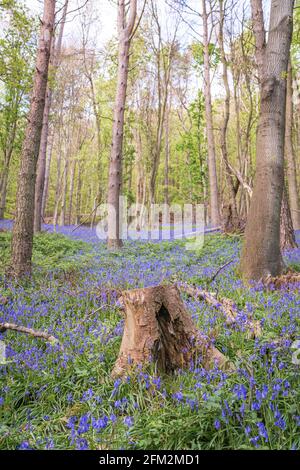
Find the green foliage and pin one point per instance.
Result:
(50, 251)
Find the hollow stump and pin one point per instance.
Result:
(159, 329)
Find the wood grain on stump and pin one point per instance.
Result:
(159, 329)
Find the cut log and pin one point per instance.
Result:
(28, 331)
(159, 329)
(224, 305)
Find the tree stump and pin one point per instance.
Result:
(159, 329)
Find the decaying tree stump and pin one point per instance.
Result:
(158, 328)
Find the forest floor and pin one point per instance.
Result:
(65, 399)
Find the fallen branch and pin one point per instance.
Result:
(226, 306)
(28, 331)
(286, 280)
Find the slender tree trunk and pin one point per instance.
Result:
(22, 238)
(291, 170)
(232, 222)
(3, 191)
(41, 166)
(72, 179)
(287, 233)
(47, 176)
(212, 167)
(261, 254)
(167, 156)
(115, 168)
(78, 195)
(62, 220)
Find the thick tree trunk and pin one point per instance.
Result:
(41, 166)
(291, 170)
(261, 255)
(159, 329)
(212, 167)
(22, 239)
(115, 168)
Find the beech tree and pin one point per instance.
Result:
(261, 254)
(126, 23)
(22, 239)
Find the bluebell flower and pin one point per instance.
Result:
(128, 421)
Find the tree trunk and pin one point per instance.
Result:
(261, 254)
(212, 167)
(287, 233)
(232, 223)
(47, 176)
(22, 239)
(291, 170)
(159, 329)
(3, 191)
(115, 167)
(41, 166)
(78, 195)
(72, 179)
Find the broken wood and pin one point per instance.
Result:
(226, 306)
(158, 328)
(28, 331)
(289, 279)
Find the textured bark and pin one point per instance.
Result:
(22, 238)
(260, 35)
(125, 30)
(261, 254)
(41, 167)
(291, 170)
(212, 167)
(159, 329)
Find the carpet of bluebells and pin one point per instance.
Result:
(54, 398)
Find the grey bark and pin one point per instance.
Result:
(125, 30)
(261, 254)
